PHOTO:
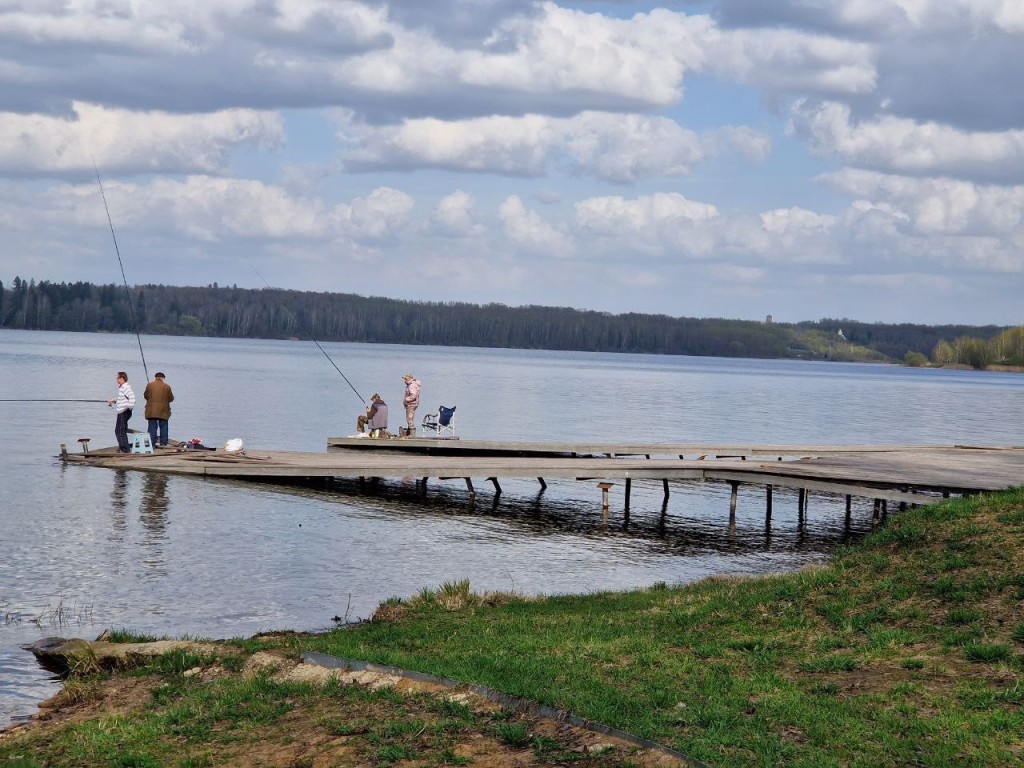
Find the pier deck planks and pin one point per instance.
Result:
(895, 473)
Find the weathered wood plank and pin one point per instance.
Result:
(883, 472)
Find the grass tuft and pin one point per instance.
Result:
(987, 652)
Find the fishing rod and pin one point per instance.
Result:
(311, 337)
(127, 293)
(45, 400)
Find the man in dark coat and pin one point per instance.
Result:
(158, 396)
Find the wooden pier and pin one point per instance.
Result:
(903, 474)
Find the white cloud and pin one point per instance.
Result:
(528, 230)
(496, 144)
(904, 146)
(192, 26)
(565, 59)
(380, 214)
(793, 61)
(210, 209)
(939, 206)
(454, 214)
(617, 215)
(562, 50)
(616, 147)
(121, 141)
(795, 221)
(881, 17)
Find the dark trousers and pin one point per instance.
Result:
(156, 425)
(121, 429)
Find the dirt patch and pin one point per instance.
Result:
(390, 720)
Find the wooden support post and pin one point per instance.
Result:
(63, 451)
(664, 485)
(732, 501)
(768, 502)
(497, 487)
(604, 500)
(848, 509)
(876, 512)
(801, 506)
(543, 485)
(469, 486)
(629, 487)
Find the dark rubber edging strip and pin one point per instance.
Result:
(512, 702)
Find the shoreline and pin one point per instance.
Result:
(908, 646)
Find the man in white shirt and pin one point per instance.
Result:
(124, 401)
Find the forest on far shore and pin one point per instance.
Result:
(273, 313)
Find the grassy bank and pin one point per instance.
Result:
(905, 650)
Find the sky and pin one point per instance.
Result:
(803, 159)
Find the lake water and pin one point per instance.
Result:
(83, 549)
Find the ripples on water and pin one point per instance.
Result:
(177, 555)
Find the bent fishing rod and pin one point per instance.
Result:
(311, 337)
(127, 293)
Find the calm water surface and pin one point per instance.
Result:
(83, 549)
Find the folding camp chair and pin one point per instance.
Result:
(440, 423)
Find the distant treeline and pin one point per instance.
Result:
(275, 314)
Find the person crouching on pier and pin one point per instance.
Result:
(376, 418)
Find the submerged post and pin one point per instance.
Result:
(732, 501)
(604, 500)
(768, 502)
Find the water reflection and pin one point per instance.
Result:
(153, 516)
(119, 506)
(680, 525)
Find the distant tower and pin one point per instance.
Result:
(768, 319)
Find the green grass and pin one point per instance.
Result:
(848, 664)
(905, 650)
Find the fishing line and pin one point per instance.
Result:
(131, 306)
(308, 333)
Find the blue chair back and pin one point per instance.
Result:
(445, 415)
